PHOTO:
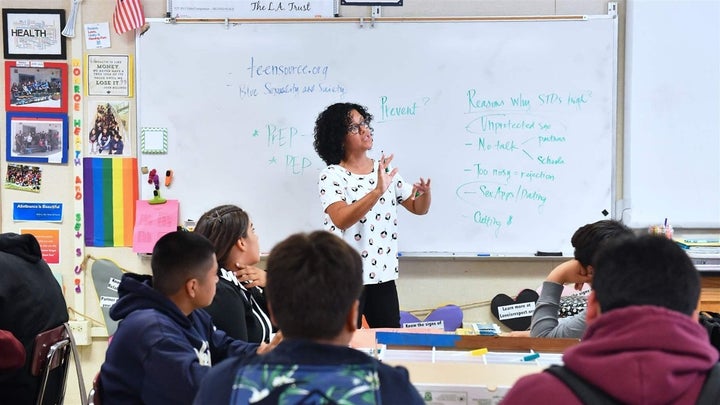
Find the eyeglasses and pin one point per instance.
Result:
(355, 128)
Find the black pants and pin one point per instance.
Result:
(379, 303)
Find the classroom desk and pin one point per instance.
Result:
(504, 344)
(366, 338)
(710, 291)
(451, 374)
(461, 377)
(464, 383)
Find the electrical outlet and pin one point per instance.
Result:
(81, 332)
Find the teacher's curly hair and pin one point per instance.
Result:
(331, 127)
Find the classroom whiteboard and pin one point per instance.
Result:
(672, 113)
(514, 121)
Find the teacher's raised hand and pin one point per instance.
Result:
(385, 173)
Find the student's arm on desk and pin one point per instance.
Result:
(517, 333)
(545, 318)
(545, 321)
(547, 307)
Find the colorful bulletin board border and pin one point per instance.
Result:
(111, 189)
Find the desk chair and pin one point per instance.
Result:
(50, 361)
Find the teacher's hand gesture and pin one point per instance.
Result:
(421, 188)
(419, 201)
(385, 175)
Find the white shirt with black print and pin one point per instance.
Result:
(375, 236)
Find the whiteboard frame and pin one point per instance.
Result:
(629, 204)
(615, 210)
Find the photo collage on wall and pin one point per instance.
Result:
(108, 130)
(36, 92)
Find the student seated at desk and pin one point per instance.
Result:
(314, 282)
(587, 240)
(165, 343)
(31, 301)
(643, 344)
(239, 306)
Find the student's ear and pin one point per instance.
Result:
(352, 316)
(241, 244)
(593, 308)
(191, 287)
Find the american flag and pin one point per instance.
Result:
(128, 15)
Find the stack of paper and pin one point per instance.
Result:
(485, 329)
(700, 244)
(704, 251)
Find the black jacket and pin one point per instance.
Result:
(31, 301)
(233, 312)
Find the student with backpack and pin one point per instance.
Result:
(643, 343)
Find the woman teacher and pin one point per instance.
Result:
(360, 196)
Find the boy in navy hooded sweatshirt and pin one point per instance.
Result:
(166, 343)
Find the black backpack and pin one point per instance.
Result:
(711, 322)
(590, 394)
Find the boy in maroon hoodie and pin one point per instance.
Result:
(643, 344)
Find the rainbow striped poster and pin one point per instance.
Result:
(110, 192)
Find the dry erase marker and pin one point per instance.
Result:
(530, 357)
(168, 177)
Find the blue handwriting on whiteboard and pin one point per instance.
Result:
(287, 70)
